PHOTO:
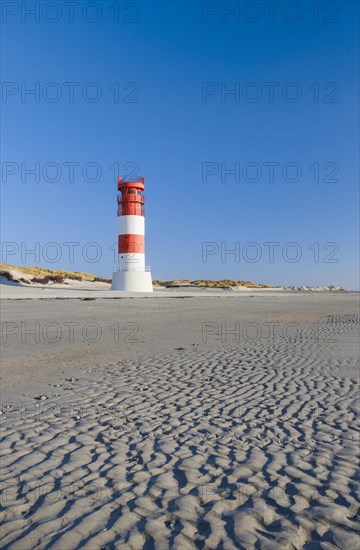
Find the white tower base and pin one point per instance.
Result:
(132, 281)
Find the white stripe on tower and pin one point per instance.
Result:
(133, 225)
(132, 261)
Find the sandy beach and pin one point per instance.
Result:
(202, 419)
(179, 275)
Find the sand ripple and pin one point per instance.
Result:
(240, 447)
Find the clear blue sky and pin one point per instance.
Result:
(176, 124)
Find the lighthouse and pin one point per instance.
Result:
(131, 274)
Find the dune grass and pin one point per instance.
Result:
(42, 272)
(224, 283)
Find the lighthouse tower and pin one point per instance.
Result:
(131, 274)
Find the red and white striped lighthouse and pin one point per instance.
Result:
(131, 274)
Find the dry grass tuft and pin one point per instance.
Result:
(43, 275)
(38, 271)
(206, 283)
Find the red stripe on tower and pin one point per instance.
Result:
(131, 243)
